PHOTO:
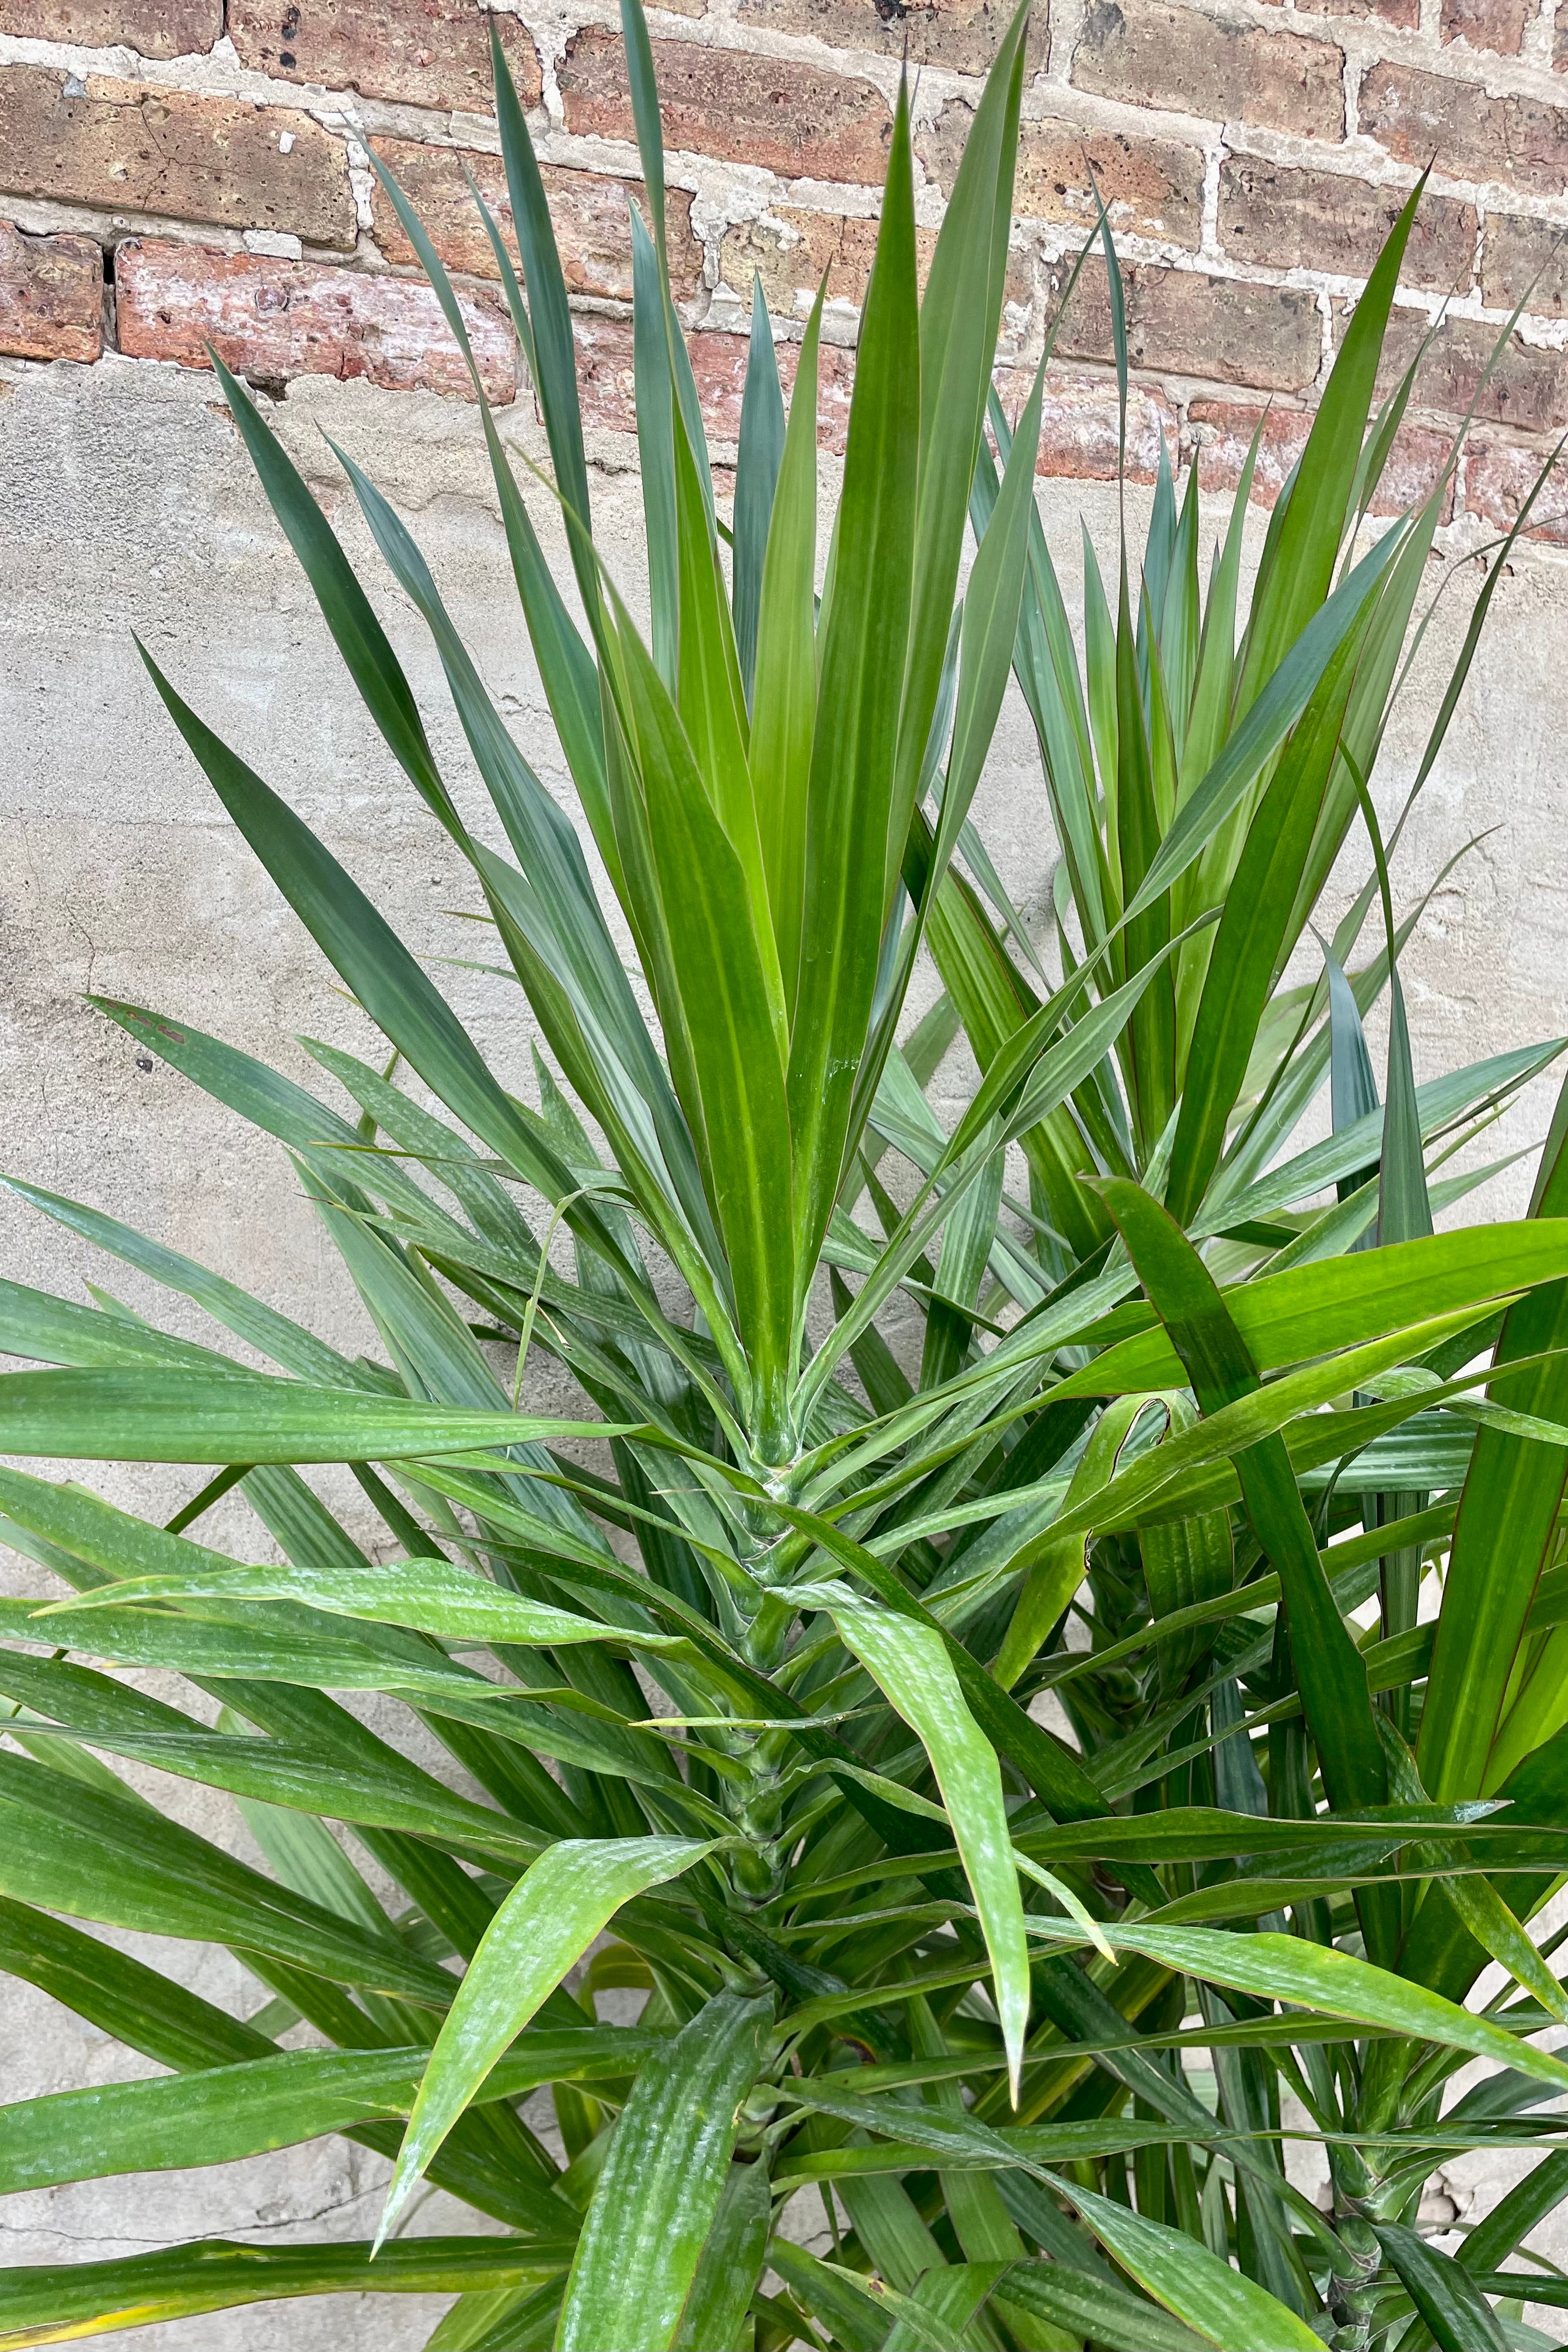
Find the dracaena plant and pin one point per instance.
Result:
(744, 1665)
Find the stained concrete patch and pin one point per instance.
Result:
(127, 505)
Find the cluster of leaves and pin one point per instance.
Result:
(760, 1705)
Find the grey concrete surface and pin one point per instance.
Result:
(127, 505)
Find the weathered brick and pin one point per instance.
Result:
(1156, 55)
(1223, 430)
(1419, 116)
(51, 295)
(789, 248)
(788, 118)
(272, 320)
(153, 28)
(1285, 219)
(1222, 433)
(593, 229)
(1184, 322)
(127, 147)
(1500, 477)
(607, 384)
(963, 35)
(420, 52)
(1525, 260)
(1527, 389)
(1152, 187)
(1496, 24)
(719, 366)
(1080, 426)
(1404, 13)
(1415, 468)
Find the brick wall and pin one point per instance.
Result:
(173, 173)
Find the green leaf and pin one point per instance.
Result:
(1288, 1968)
(1442, 1102)
(1253, 937)
(656, 445)
(371, 960)
(731, 2262)
(783, 700)
(223, 2113)
(346, 609)
(115, 1861)
(43, 2303)
(122, 1997)
(1086, 2306)
(1502, 1537)
(1445, 2296)
(865, 640)
(260, 1327)
(731, 1002)
(543, 1928)
(1309, 1310)
(118, 1415)
(1255, 741)
(553, 354)
(430, 1595)
(1308, 543)
(1221, 2306)
(1149, 1062)
(991, 602)
(660, 2189)
(855, 2311)
(958, 324)
(57, 1331)
(758, 459)
(1332, 1672)
(564, 663)
(910, 1664)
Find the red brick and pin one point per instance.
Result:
(126, 147)
(273, 319)
(607, 385)
(153, 28)
(1152, 187)
(1404, 13)
(1080, 426)
(1420, 116)
(418, 52)
(1414, 470)
(963, 35)
(589, 210)
(718, 365)
(51, 295)
(785, 117)
(1156, 55)
(606, 378)
(789, 248)
(1527, 389)
(1496, 24)
(1183, 322)
(1525, 260)
(1500, 477)
(1222, 432)
(1285, 219)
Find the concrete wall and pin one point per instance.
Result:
(127, 504)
